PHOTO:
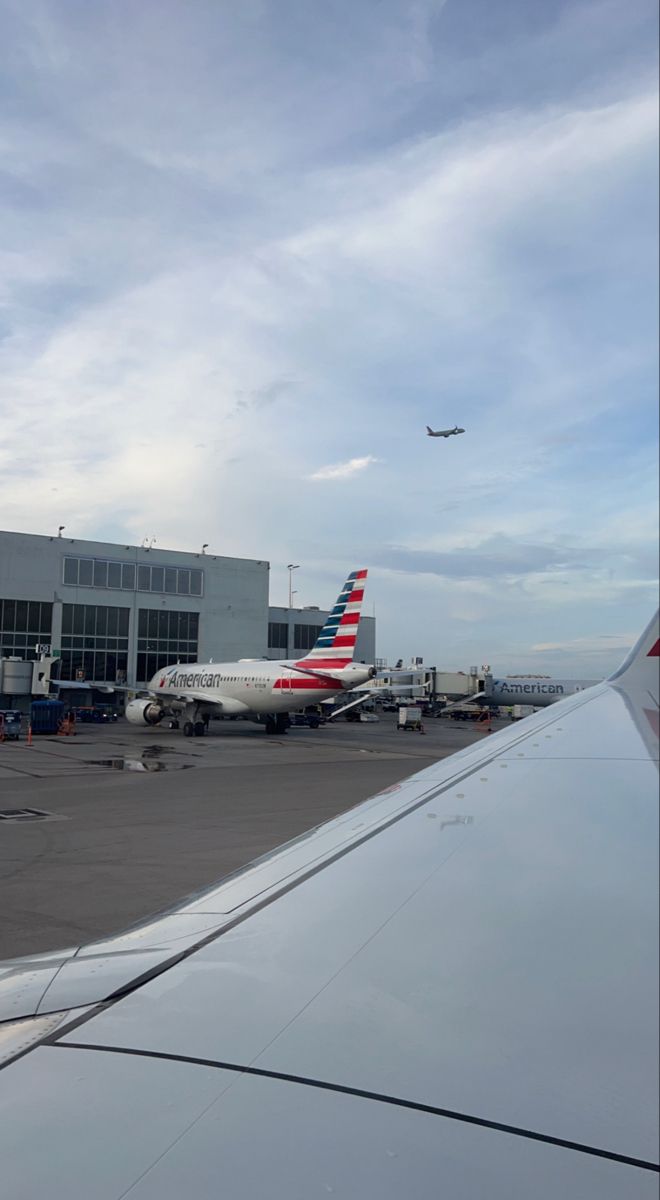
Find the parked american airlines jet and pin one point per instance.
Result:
(536, 690)
(532, 690)
(257, 688)
(445, 433)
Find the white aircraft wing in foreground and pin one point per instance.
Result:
(448, 991)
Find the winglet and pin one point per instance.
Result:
(642, 666)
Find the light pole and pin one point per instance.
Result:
(291, 567)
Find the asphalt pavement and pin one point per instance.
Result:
(128, 821)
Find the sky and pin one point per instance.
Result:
(249, 251)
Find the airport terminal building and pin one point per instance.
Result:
(114, 613)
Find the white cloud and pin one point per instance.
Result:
(202, 298)
(345, 469)
(606, 643)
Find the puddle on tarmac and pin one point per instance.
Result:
(156, 751)
(145, 763)
(149, 760)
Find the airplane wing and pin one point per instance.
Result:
(449, 990)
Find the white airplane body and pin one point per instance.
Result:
(445, 433)
(262, 689)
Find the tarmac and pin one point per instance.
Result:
(129, 821)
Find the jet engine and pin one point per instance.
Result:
(143, 712)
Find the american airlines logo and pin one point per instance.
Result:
(182, 679)
(530, 689)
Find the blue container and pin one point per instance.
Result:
(46, 715)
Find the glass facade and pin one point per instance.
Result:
(165, 638)
(94, 642)
(131, 577)
(24, 624)
(277, 635)
(304, 636)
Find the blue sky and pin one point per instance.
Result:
(243, 244)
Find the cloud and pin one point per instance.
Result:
(497, 557)
(241, 243)
(605, 643)
(345, 469)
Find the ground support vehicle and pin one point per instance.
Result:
(410, 717)
(10, 724)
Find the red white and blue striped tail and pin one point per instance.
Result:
(335, 645)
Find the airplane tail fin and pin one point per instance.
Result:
(335, 645)
(429, 430)
(642, 666)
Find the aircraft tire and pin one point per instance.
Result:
(188, 729)
(199, 729)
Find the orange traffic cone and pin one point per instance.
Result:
(29, 736)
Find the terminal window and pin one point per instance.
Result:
(165, 638)
(304, 636)
(94, 642)
(23, 625)
(277, 635)
(129, 577)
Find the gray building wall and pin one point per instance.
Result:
(233, 608)
(313, 618)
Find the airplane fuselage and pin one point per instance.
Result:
(537, 691)
(245, 688)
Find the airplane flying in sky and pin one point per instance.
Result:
(445, 433)
(264, 690)
(448, 989)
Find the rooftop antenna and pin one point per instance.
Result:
(59, 530)
(205, 547)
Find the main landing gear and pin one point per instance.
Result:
(195, 725)
(278, 724)
(194, 729)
